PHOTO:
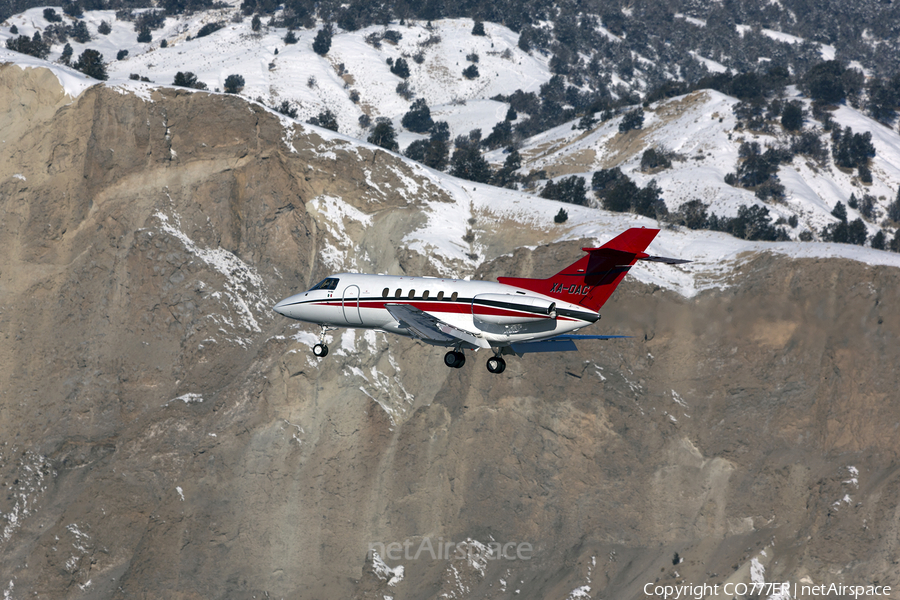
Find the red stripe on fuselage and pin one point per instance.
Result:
(434, 307)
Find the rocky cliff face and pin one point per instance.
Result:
(163, 433)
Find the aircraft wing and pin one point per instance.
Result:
(560, 343)
(432, 330)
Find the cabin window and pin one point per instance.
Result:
(440, 295)
(454, 297)
(398, 293)
(425, 295)
(385, 292)
(329, 283)
(412, 294)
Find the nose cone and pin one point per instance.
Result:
(281, 306)
(291, 307)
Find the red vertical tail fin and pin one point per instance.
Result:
(592, 279)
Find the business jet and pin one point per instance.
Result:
(514, 315)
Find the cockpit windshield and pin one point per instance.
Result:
(329, 283)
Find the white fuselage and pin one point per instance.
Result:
(495, 313)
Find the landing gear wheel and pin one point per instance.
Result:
(320, 350)
(495, 364)
(454, 360)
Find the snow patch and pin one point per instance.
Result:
(580, 593)
(348, 343)
(189, 398)
(757, 571)
(384, 572)
(244, 288)
(296, 435)
(336, 215)
(32, 470)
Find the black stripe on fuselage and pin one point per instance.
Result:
(511, 306)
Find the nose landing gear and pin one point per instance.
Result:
(321, 350)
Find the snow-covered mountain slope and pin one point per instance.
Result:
(274, 71)
(354, 79)
(701, 129)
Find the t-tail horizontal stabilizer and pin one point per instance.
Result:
(591, 280)
(665, 260)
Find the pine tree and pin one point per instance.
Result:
(792, 116)
(188, 79)
(506, 175)
(441, 131)
(823, 82)
(561, 217)
(856, 232)
(840, 212)
(326, 119)
(322, 43)
(633, 119)
(73, 9)
(384, 135)
(91, 64)
(34, 46)
(234, 84)
(501, 135)
(400, 68)
(893, 209)
(467, 163)
(437, 154)
(570, 190)
(416, 150)
(895, 243)
(418, 118)
(618, 197)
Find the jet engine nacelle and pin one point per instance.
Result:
(511, 309)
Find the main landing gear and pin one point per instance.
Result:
(496, 365)
(454, 359)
